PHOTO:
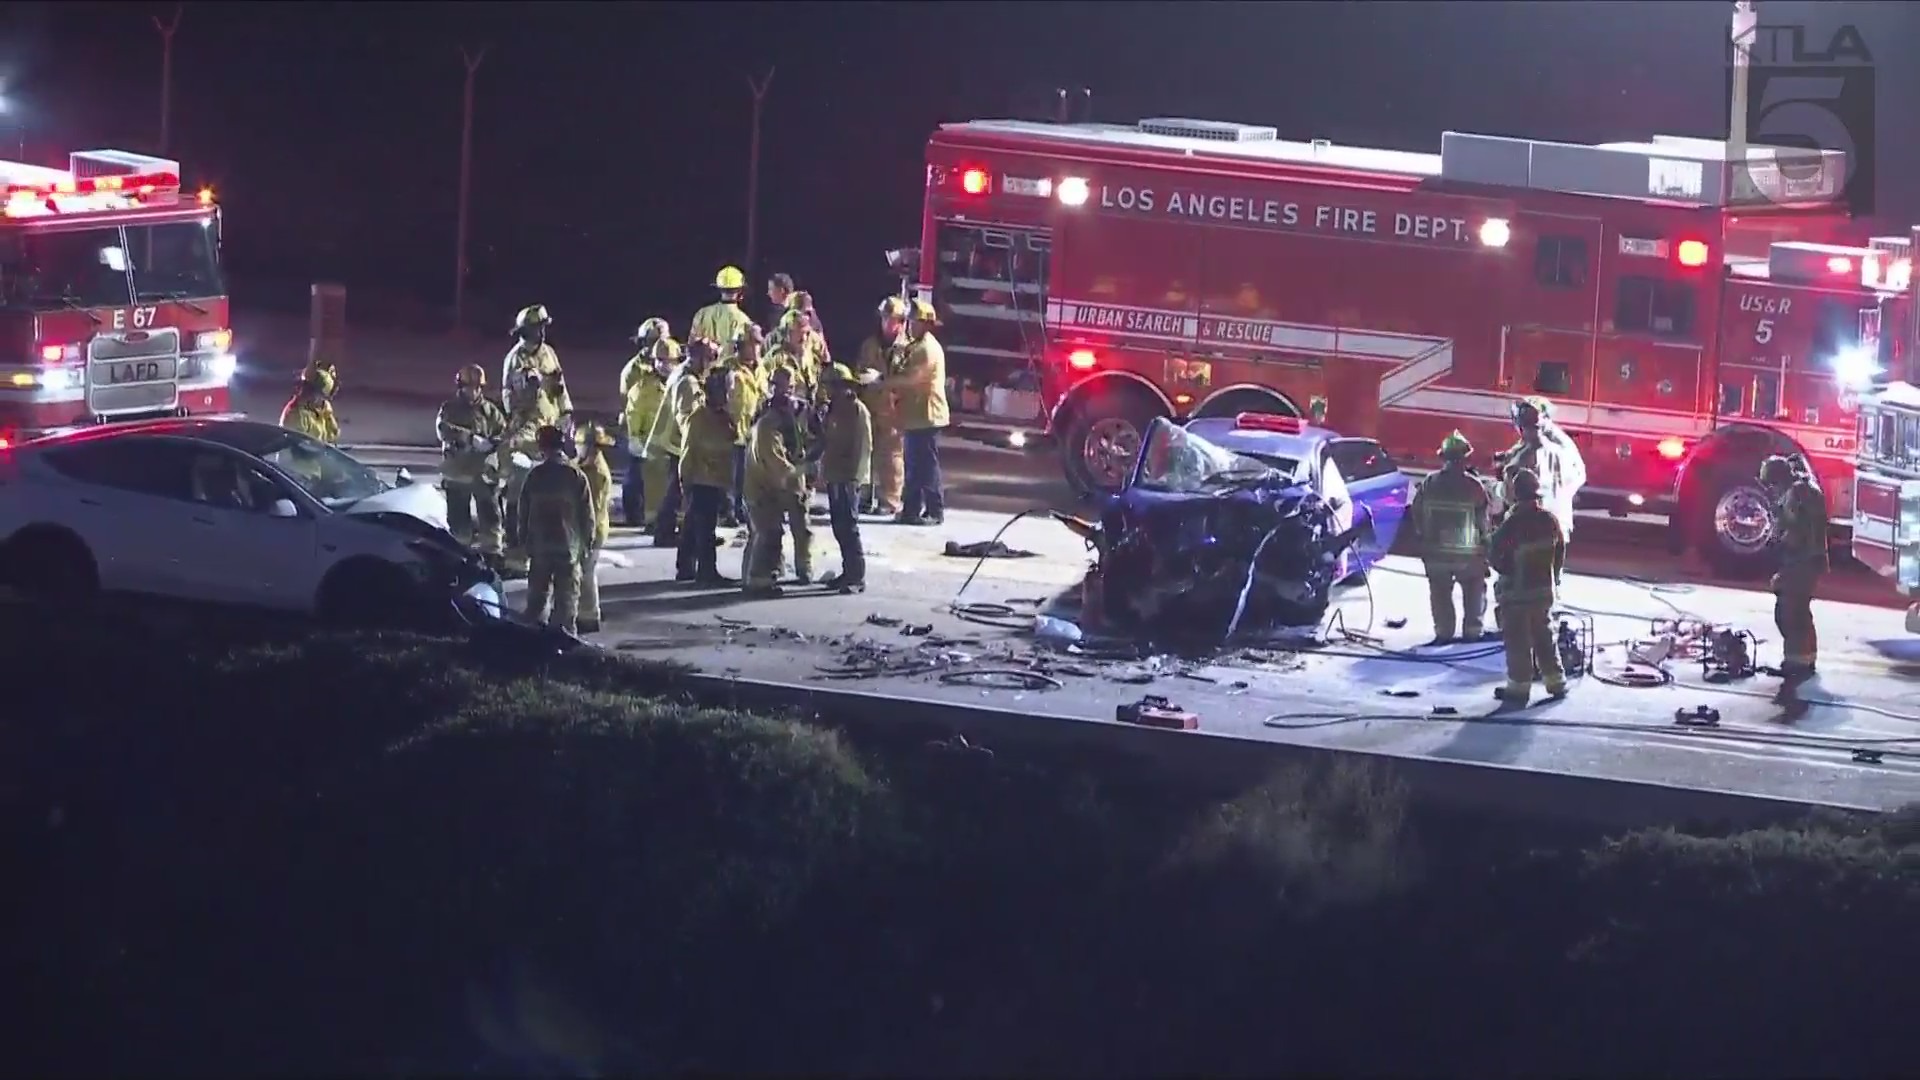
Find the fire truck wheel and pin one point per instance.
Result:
(1733, 518)
(368, 593)
(49, 565)
(1104, 439)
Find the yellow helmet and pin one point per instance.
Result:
(893, 308)
(320, 377)
(665, 349)
(729, 279)
(837, 373)
(1455, 446)
(531, 315)
(921, 311)
(473, 375)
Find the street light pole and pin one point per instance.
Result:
(167, 30)
(1746, 24)
(472, 60)
(759, 89)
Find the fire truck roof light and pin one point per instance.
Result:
(1285, 425)
(1495, 232)
(139, 183)
(1691, 252)
(1073, 191)
(1673, 449)
(1082, 360)
(974, 181)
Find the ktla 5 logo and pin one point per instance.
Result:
(1814, 99)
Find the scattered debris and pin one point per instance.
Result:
(1698, 716)
(957, 744)
(913, 630)
(985, 549)
(1401, 693)
(882, 620)
(1156, 711)
(1395, 624)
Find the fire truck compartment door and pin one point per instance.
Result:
(1548, 345)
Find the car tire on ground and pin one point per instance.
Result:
(1104, 437)
(369, 594)
(49, 565)
(1732, 519)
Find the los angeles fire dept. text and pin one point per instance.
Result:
(1274, 212)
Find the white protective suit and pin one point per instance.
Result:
(1562, 471)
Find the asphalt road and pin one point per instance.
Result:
(393, 382)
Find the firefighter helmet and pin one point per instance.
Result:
(472, 376)
(729, 279)
(665, 350)
(837, 375)
(893, 308)
(652, 330)
(1455, 447)
(530, 316)
(1523, 484)
(1540, 407)
(923, 312)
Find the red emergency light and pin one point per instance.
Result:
(1284, 425)
(1691, 253)
(1672, 449)
(1082, 360)
(136, 184)
(975, 181)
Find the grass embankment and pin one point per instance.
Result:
(358, 854)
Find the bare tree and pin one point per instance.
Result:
(472, 59)
(759, 89)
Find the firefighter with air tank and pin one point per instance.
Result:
(879, 357)
(536, 396)
(1528, 552)
(1800, 536)
(1451, 517)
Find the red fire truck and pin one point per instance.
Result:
(1685, 316)
(1886, 502)
(112, 302)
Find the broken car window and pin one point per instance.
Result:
(1176, 460)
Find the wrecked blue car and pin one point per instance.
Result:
(1241, 524)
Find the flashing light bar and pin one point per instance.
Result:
(137, 184)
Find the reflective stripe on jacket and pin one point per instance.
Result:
(1452, 517)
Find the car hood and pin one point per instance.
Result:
(422, 501)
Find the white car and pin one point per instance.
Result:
(232, 512)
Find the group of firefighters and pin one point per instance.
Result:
(1467, 525)
(740, 426)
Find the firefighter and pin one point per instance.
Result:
(1450, 517)
(470, 427)
(779, 288)
(801, 304)
(594, 442)
(532, 361)
(920, 388)
(643, 386)
(310, 410)
(667, 440)
(556, 527)
(706, 470)
(327, 372)
(879, 357)
(749, 390)
(1800, 535)
(721, 321)
(1550, 454)
(846, 455)
(791, 348)
(1529, 550)
(776, 496)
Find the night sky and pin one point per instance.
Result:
(610, 158)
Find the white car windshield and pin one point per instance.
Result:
(1176, 460)
(322, 471)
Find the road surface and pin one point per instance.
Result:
(1376, 694)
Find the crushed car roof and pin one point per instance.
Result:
(1222, 432)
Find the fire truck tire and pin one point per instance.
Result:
(1103, 437)
(368, 593)
(1732, 517)
(49, 565)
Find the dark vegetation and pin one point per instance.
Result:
(253, 853)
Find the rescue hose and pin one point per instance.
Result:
(1002, 616)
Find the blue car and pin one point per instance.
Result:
(1347, 471)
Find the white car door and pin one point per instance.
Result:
(128, 500)
(247, 553)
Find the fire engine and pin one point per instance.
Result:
(1886, 501)
(112, 302)
(1687, 312)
